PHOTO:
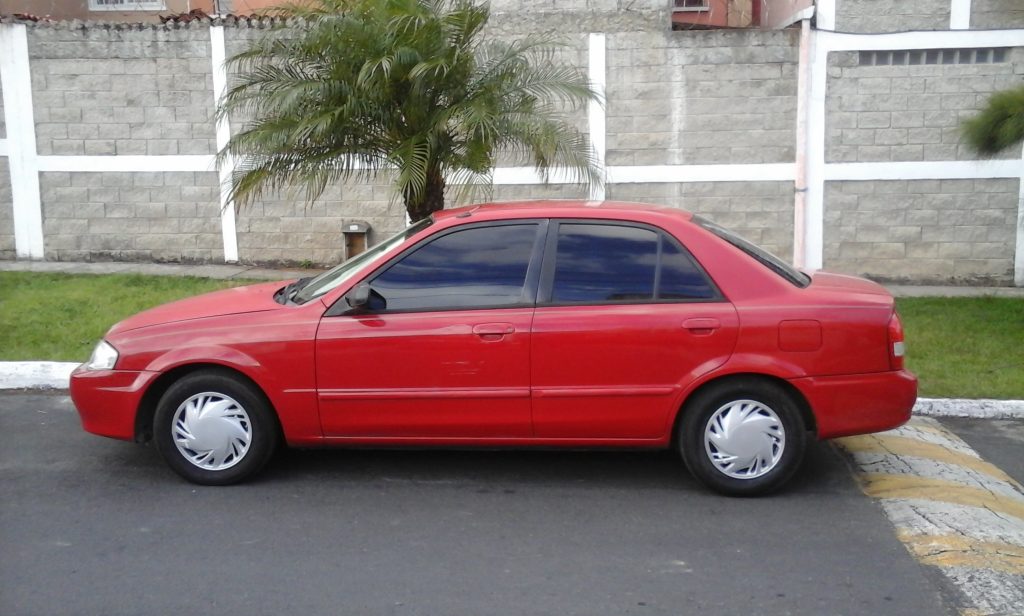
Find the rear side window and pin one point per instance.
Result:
(473, 268)
(600, 263)
(765, 258)
(680, 277)
(604, 263)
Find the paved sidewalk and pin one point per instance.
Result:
(225, 271)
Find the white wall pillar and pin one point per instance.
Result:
(814, 208)
(220, 88)
(596, 119)
(825, 11)
(21, 142)
(1018, 255)
(960, 14)
(800, 184)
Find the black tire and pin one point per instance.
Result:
(240, 421)
(782, 437)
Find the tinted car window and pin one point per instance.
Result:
(473, 268)
(602, 263)
(680, 277)
(775, 264)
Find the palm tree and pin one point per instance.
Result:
(407, 87)
(999, 126)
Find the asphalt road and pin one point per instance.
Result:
(1000, 441)
(95, 526)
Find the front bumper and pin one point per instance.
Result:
(859, 403)
(108, 400)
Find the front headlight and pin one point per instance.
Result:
(104, 356)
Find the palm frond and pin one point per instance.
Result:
(999, 126)
(358, 87)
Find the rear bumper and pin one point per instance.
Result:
(108, 400)
(859, 403)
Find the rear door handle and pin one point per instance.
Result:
(701, 326)
(493, 331)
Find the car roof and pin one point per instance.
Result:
(557, 208)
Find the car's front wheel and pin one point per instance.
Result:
(214, 428)
(744, 437)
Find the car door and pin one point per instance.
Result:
(625, 318)
(442, 349)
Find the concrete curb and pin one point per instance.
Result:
(976, 409)
(55, 375)
(35, 374)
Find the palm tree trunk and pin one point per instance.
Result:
(430, 201)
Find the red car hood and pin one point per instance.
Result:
(239, 300)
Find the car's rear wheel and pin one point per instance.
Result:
(214, 428)
(744, 437)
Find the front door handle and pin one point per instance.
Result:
(493, 331)
(701, 326)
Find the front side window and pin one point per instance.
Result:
(473, 268)
(605, 263)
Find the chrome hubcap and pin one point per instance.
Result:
(744, 439)
(212, 431)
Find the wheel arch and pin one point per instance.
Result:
(806, 413)
(147, 404)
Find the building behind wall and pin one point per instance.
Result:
(703, 119)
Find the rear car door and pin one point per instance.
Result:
(625, 319)
(443, 349)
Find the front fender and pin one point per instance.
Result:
(207, 354)
(296, 407)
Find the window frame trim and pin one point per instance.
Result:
(130, 6)
(528, 297)
(547, 276)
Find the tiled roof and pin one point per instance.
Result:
(195, 16)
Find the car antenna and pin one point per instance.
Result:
(467, 213)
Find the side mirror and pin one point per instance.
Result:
(358, 297)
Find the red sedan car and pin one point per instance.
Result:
(554, 324)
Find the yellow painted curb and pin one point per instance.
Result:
(961, 551)
(905, 446)
(912, 487)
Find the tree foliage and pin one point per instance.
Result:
(999, 126)
(413, 88)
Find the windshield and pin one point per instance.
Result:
(766, 258)
(335, 276)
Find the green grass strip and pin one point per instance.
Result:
(60, 317)
(965, 347)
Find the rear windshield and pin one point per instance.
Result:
(775, 264)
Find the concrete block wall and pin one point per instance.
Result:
(716, 98)
(151, 216)
(927, 230)
(103, 91)
(6, 214)
(909, 112)
(875, 16)
(924, 230)
(701, 97)
(997, 14)
(762, 212)
(6, 210)
(290, 230)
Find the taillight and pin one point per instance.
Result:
(896, 346)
